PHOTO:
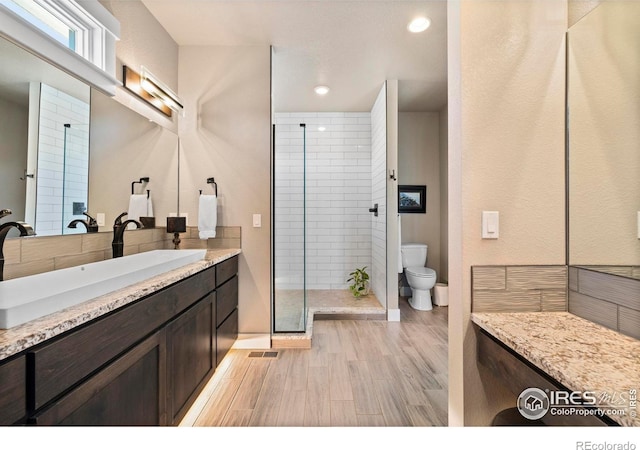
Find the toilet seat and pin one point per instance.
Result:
(421, 272)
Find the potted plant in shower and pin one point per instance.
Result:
(359, 279)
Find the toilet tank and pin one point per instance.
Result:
(413, 255)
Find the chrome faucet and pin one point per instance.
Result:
(24, 228)
(118, 234)
(90, 224)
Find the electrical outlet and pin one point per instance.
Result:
(100, 219)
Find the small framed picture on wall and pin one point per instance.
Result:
(412, 199)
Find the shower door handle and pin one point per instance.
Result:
(374, 210)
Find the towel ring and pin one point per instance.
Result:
(215, 185)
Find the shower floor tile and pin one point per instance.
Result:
(321, 303)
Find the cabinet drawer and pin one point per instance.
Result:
(13, 385)
(226, 270)
(131, 391)
(66, 361)
(226, 336)
(226, 300)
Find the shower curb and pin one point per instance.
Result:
(303, 340)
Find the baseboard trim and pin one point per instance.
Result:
(253, 341)
(393, 315)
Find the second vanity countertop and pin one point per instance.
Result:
(579, 354)
(22, 337)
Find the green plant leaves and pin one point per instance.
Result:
(358, 279)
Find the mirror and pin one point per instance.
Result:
(29, 120)
(118, 145)
(603, 63)
(126, 147)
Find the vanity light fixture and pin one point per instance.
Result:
(321, 90)
(419, 24)
(146, 86)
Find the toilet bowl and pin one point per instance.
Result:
(421, 279)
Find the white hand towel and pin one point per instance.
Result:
(137, 208)
(400, 268)
(207, 216)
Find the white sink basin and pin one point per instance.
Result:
(28, 298)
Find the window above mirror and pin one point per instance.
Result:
(78, 36)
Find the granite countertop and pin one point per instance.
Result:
(579, 354)
(21, 337)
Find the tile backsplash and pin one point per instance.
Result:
(32, 255)
(610, 300)
(519, 288)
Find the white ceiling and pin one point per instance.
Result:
(350, 45)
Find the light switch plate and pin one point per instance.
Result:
(490, 224)
(257, 220)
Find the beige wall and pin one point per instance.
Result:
(393, 310)
(144, 42)
(444, 195)
(419, 163)
(14, 124)
(225, 134)
(580, 8)
(506, 146)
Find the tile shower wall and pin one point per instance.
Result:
(62, 170)
(338, 197)
(518, 288)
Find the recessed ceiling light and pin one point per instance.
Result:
(321, 90)
(419, 24)
(321, 128)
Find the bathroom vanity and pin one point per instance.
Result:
(559, 351)
(136, 356)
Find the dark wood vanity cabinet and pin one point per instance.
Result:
(227, 317)
(191, 343)
(226, 307)
(143, 364)
(13, 401)
(129, 391)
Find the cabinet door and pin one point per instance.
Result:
(129, 391)
(13, 404)
(226, 269)
(191, 350)
(227, 334)
(226, 300)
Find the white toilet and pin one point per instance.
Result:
(421, 279)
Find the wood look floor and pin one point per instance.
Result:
(358, 373)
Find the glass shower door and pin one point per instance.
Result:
(75, 183)
(290, 303)
(62, 180)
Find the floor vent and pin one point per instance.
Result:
(263, 354)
